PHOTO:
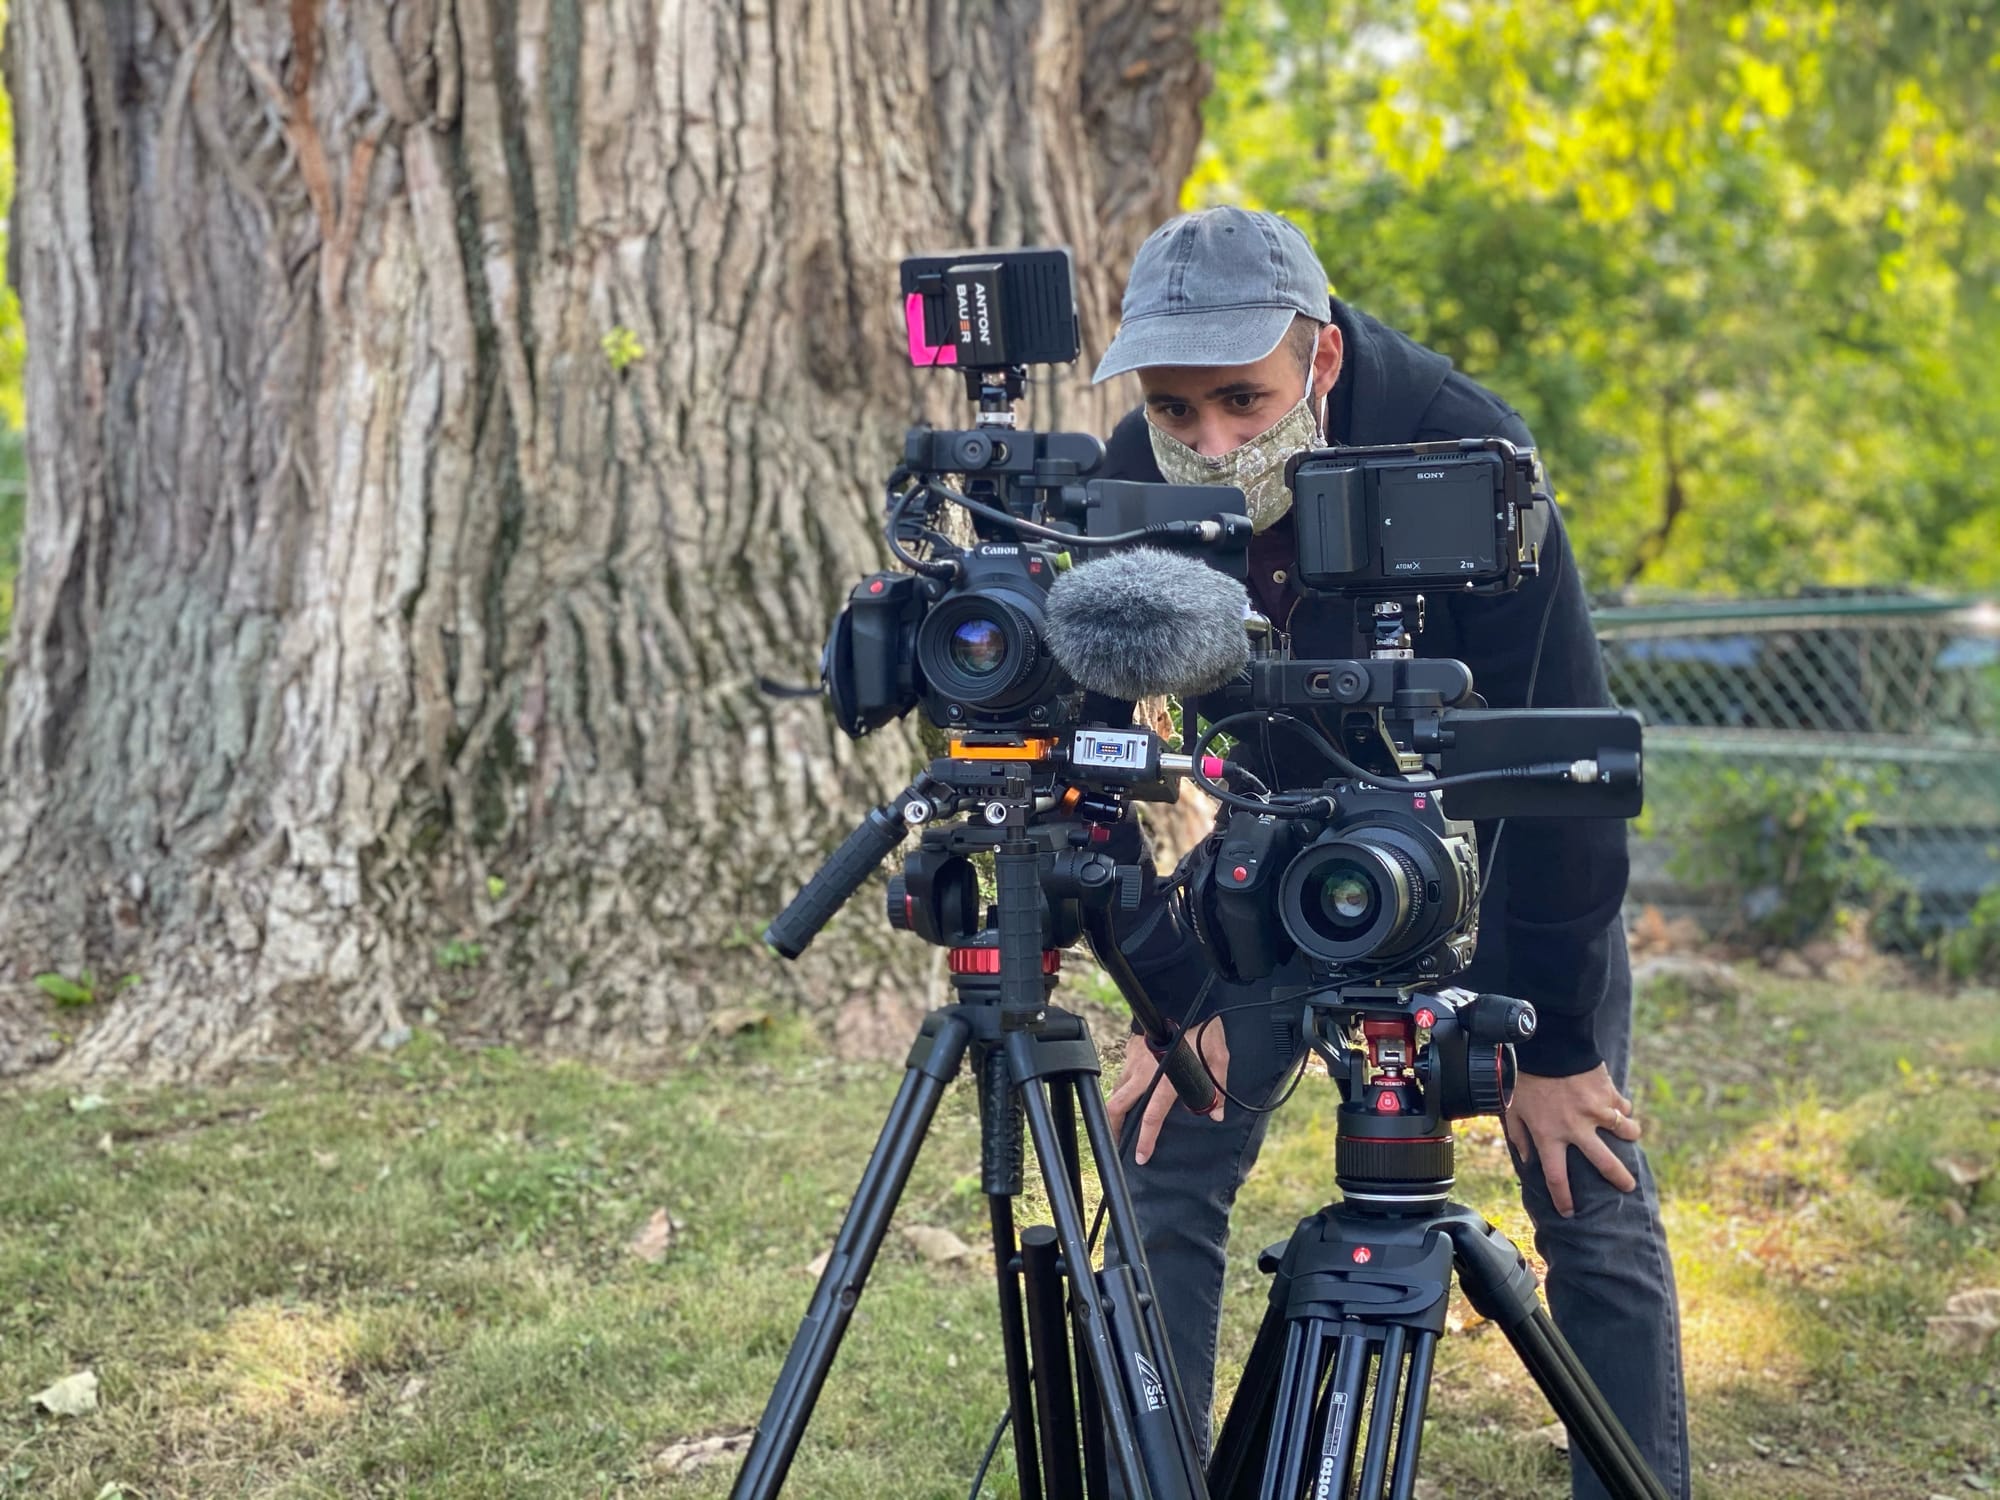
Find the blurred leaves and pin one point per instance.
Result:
(1737, 266)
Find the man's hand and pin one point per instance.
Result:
(1549, 1115)
(1140, 1069)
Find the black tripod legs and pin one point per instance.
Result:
(1500, 1286)
(930, 1068)
(1340, 1373)
(1118, 1327)
(1118, 1405)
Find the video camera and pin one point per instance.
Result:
(1032, 662)
(963, 632)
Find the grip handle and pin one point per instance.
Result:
(791, 932)
(1186, 1072)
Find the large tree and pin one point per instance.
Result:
(440, 414)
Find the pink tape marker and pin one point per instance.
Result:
(922, 354)
(1211, 767)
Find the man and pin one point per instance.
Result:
(1244, 358)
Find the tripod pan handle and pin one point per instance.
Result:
(794, 928)
(1186, 1072)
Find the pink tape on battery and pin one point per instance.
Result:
(921, 353)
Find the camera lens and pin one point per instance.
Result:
(1347, 898)
(978, 648)
(1350, 899)
(983, 650)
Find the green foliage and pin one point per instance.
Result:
(1973, 951)
(622, 347)
(1786, 849)
(76, 993)
(460, 954)
(1736, 265)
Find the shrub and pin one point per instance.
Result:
(1785, 850)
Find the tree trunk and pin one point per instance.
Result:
(440, 414)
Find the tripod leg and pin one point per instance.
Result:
(1583, 1410)
(1500, 1286)
(1298, 1397)
(1155, 1459)
(1014, 1342)
(833, 1301)
(1000, 1164)
(1236, 1467)
(1062, 1107)
(1048, 1342)
(1341, 1417)
(1382, 1416)
(1416, 1397)
(1123, 1222)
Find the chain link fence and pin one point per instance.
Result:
(1896, 695)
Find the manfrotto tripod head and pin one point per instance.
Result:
(1407, 1063)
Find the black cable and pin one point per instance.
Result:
(1159, 531)
(1274, 1105)
(898, 503)
(991, 1449)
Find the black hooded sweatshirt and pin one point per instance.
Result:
(1546, 925)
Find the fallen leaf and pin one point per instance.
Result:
(1959, 1335)
(1963, 1174)
(816, 1267)
(71, 1396)
(1954, 1213)
(412, 1388)
(652, 1243)
(938, 1246)
(83, 1104)
(1980, 1302)
(736, 1019)
(326, 1161)
(1555, 1435)
(690, 1454)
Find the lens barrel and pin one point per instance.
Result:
(984, 650)
(1370, 892)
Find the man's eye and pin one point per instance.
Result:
(1174, 412)
(1243, 402)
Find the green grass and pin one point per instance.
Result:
(410, 1276)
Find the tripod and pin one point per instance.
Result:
(1119, 1403)
(1341, 1367)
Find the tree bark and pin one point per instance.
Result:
(386, 649)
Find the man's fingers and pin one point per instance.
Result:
(1555, 1171)
(1626, 1128)
(1606, 1161)
(1518, 1136)
(1163, 1103)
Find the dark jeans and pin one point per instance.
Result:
(1610, 1283)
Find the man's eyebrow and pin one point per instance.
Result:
(1219, 393)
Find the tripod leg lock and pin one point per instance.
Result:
(1495, 1276)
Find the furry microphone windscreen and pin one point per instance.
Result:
(1148, 621)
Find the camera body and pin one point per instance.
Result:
(970, 651)
(1387, 884)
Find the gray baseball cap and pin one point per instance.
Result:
(1218, 287)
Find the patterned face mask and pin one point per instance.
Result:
(1257, 467)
